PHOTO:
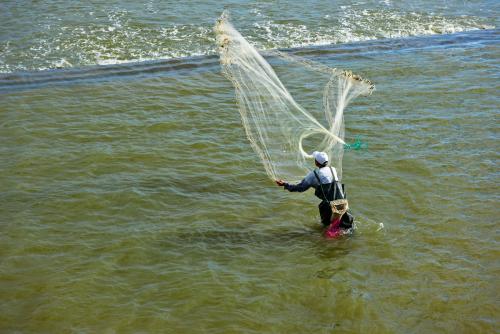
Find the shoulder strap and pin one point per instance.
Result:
(319, 182)
(334, 175)
(317, 177)
(334, 179)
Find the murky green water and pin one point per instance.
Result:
(131, 200)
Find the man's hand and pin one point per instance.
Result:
(280, 183)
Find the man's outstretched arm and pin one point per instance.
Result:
(302, 186)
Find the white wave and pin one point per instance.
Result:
(122, 42)
(355, 26)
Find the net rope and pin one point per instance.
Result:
(275, 124)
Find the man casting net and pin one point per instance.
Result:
(276, 125)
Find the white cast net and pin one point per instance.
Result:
(274, 122)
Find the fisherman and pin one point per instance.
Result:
(333, 207)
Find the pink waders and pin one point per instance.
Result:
(333, 230)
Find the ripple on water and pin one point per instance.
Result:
(140, 195)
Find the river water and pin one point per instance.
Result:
(131, 200)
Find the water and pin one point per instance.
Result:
(132, 202)
(60, 34)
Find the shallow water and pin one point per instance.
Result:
(132, 202)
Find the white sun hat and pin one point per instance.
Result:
(320, 157)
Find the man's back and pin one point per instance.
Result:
(325, 174)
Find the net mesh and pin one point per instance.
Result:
(275, 124)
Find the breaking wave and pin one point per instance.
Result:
(117, 38)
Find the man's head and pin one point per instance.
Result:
(320, 158)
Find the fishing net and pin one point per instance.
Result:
(275, 124)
